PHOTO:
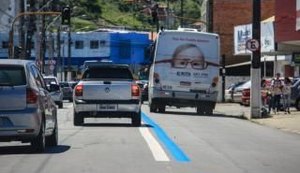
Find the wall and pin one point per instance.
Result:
(229, 13)
(285, 21)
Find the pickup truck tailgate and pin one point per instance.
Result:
(107, 90)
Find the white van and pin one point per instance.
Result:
(185, 70)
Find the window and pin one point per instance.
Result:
(79, 44)
(94, 44)
(102, 43)
(4, 44)
(125, 49)
(12, 75)
(108, 73)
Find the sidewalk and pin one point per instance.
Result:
(285, 122)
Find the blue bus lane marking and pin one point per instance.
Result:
(171, 146)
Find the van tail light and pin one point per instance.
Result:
(79, 90)
(31, 96)
(135, 90)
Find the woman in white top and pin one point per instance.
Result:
(286, 94)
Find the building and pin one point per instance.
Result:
(225, 15)
(126, 47)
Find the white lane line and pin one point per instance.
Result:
(156, 149)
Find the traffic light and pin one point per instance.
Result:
(66, 16)
(17, 52)
(154, 13)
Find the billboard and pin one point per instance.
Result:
(242, 33)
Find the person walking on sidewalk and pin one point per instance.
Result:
(286, 95)
(277, 87)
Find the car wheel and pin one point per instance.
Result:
(297, 105)
(78, 119)
(152, 107)
(39, 142)
(162, 109)
(199, 110)
(52, 140)
(60, 105)
(136, 119)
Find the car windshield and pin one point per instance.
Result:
(48, 81)
(12, 75)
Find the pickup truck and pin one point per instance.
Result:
(107, 91)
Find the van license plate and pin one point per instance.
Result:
(107, 107)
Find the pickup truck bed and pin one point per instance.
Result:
(107, 91)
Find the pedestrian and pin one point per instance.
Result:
(277, 87)
(286, 95)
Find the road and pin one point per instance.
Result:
(178, 141)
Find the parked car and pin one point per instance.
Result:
(143, 84)
(73, 84)
(295, 93)
(229, 92)
(237, 92)
(57, 95)
(28, 113)
(67, 91)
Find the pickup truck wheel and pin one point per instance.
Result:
(136, 119)
(39, 142)
(60, 105)
(78, 119)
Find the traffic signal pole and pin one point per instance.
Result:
(255, 98)
(11, 32)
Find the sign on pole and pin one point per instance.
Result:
(252, 45)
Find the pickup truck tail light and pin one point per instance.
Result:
(135, 90)
(31, 96)
(79, 90)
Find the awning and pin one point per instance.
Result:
(262, 59)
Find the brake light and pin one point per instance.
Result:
(79, 90)
(31, 96)
(135, 90)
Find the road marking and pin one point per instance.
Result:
(156, 149)
(171, 146)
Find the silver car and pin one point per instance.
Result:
(27, 112)
(57, 95)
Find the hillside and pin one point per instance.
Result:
(92, 14)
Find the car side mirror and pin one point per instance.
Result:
(54, 87)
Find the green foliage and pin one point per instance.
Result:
(122, 13)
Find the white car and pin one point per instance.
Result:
(57, 96)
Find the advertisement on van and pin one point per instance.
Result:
(186, 62)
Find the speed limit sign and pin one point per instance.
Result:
(252, 45)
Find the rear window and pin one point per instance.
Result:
(12, 76)
(108, 73)
(48, 81)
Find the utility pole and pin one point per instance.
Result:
(30, 30)
(43, 39)
(69, 55)
(255, 97)
(223, 78)
(210, 17)
(21, 31)
(58, 60)
(181, 13)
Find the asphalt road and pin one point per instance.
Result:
(178, 141)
